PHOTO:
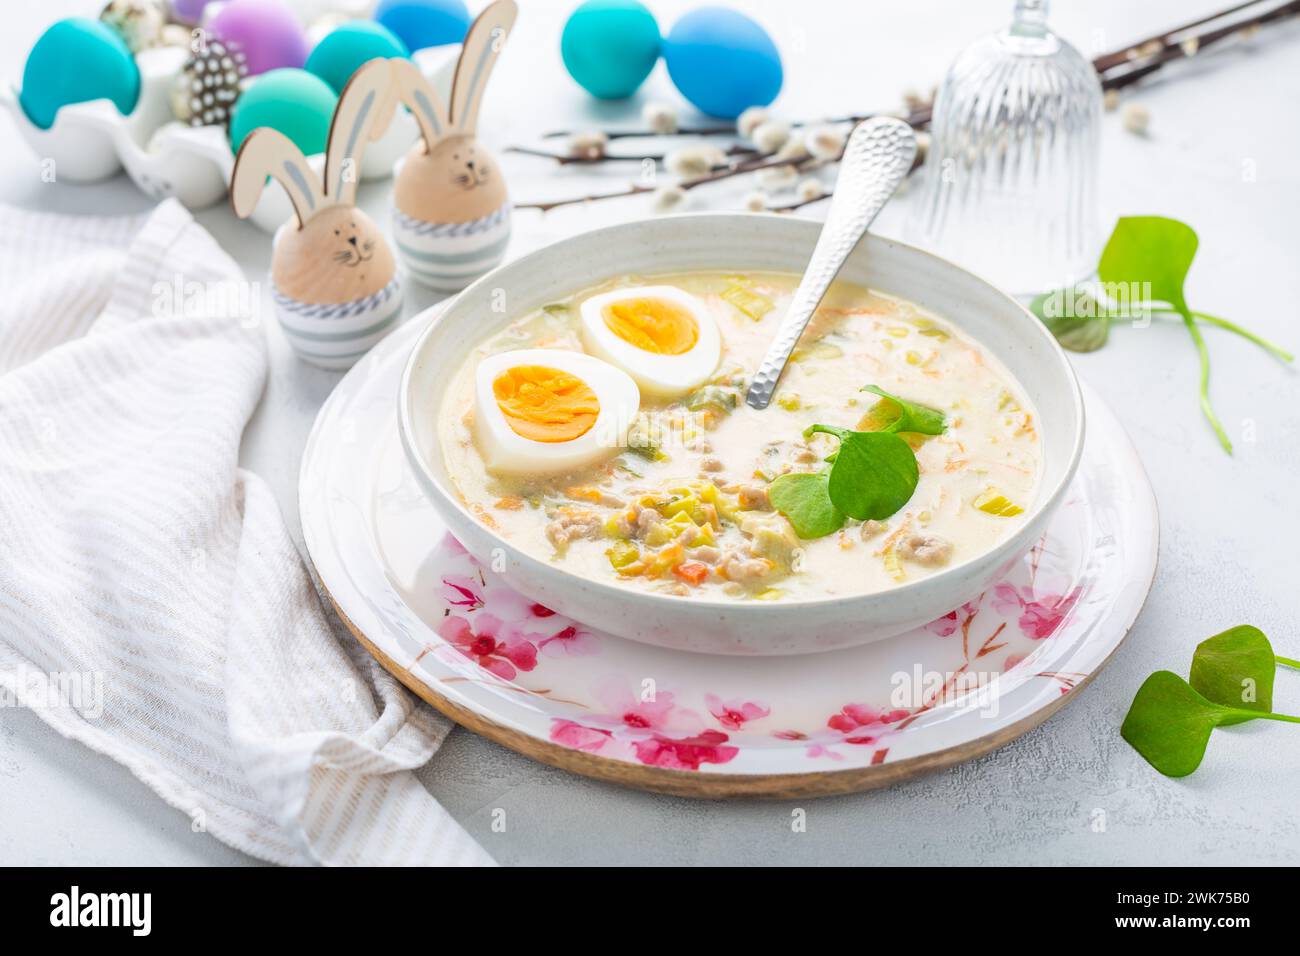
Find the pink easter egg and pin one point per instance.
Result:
(267, 32)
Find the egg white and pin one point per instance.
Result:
(662, 376)
(506, 452)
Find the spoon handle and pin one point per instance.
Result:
(878, 155)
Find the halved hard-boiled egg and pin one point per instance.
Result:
(662, 336)
(543, 411)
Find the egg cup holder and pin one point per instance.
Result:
(92, 141)
(451, 212)
(335, 336)
(447, 256)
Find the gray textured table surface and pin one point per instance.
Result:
(1220, 155)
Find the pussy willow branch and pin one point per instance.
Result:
(741, 168)
(1151, 55)
(800, 203)
(570, 160)
(1107, 61)
(634, 133)
(727, 130)
(919, 118)
(1117, 70)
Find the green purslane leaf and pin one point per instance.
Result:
(873, 476)
(1147, 258)
(1082, 332)
(1156, 253)
(805, 500)
(893, 414)
(1170, 723)
(1170, 720)
(1150, 249)
(1236, 669)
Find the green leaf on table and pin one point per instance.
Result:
(1170, 720)
(1149, 257)
(1145, 262)
(1236, 669)
(1080, 328)
(805, 499)
(893, 414)
(1169, 723)
(1149, 250)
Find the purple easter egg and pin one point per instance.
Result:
(188, 12)
(267, 32)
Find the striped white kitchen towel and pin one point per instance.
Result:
(152, 604)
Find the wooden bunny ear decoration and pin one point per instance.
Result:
(451, 214)
(333, 276)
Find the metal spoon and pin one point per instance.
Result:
(878, 155)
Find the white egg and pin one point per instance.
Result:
(662, 336)
(544, 411)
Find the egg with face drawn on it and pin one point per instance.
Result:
(342, 258)
(454, 182)
(451, 213)
(333, 275)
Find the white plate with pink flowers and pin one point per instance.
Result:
(560, 692)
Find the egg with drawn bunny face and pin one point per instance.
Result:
(333, 276)
(451, 214)
(455, 181)
(342, 258)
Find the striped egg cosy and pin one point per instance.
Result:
(452, 230)
(338, 310)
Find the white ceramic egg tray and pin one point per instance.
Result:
(92, 141)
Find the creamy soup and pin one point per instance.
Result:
(625, 450)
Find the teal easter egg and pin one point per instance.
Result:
(74, 61)
(425, 23)
(349, 46)
(297, 103)
(610, 47)
(722, 61)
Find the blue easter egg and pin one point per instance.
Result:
(424, 23)
(610, 47)
(722, 61)
(74, 61)
(297, 103)
(343, 50)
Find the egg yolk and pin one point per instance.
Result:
(653, 325)
(545, 404)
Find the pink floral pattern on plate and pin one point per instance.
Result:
(531, 649)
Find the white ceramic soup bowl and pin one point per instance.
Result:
(740, 242)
